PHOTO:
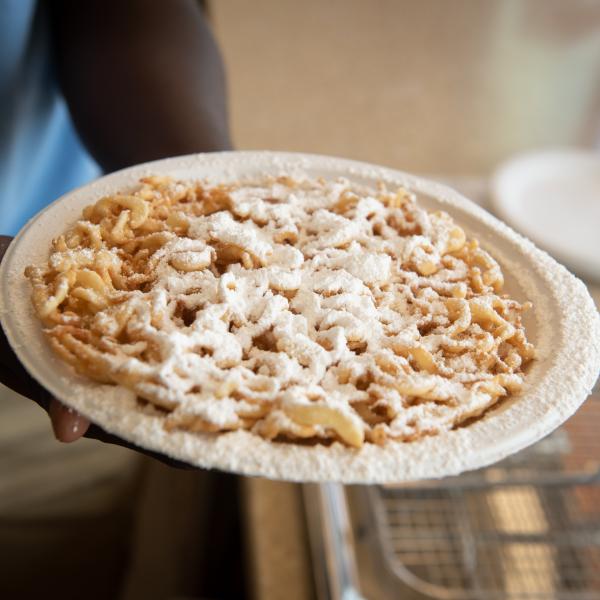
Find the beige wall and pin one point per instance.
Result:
(435, 86)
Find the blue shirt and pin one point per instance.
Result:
(41, 157)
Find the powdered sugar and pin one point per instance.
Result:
(556, 295)
(192, 303)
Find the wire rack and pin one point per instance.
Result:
(526, 528)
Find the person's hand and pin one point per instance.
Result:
(68, 425)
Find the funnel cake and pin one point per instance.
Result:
(303, 310)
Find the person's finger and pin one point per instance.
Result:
(5, 241)
(67, 423)
(96, 432)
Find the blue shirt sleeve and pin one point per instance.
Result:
(41, 157)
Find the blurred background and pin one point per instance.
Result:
(450, 90)
(428, 87)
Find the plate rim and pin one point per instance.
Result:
(248, 454)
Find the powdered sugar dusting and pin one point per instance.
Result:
(563, 374)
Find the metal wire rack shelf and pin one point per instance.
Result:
(527, 528)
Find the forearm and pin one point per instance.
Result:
(143, 79)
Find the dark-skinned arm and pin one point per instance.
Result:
(143, 79)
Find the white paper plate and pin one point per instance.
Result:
(553, 197)
(564, 325)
